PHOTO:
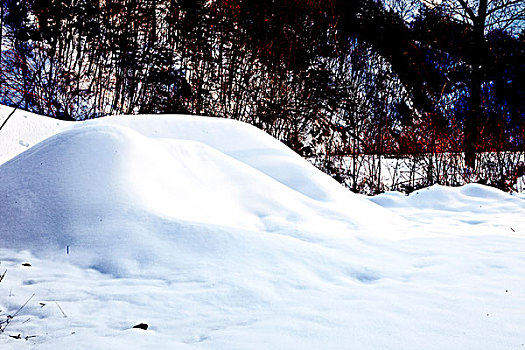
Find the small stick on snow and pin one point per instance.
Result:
(9, 116)
(3, 275)
(21, 307)
(63, 313)
(9, 317)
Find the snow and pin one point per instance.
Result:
(471, 210)
(219, 237)
(23, 130)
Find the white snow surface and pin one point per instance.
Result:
(219, 237)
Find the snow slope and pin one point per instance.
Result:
(220, 237)
(24, 130)
(472, 209)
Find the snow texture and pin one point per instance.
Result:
(219, 237)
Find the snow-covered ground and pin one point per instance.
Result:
(219, 237)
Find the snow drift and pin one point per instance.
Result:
(155, 184)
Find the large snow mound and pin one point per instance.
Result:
(159, 185)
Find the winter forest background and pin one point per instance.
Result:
(382, 95)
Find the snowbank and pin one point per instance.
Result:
(472, 209)
(124, 193)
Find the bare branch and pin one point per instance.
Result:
(468, 10)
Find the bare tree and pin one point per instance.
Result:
(482, 16)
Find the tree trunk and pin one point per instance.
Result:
(473, 120)
(473, 117)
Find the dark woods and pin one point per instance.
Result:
(379, 94)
